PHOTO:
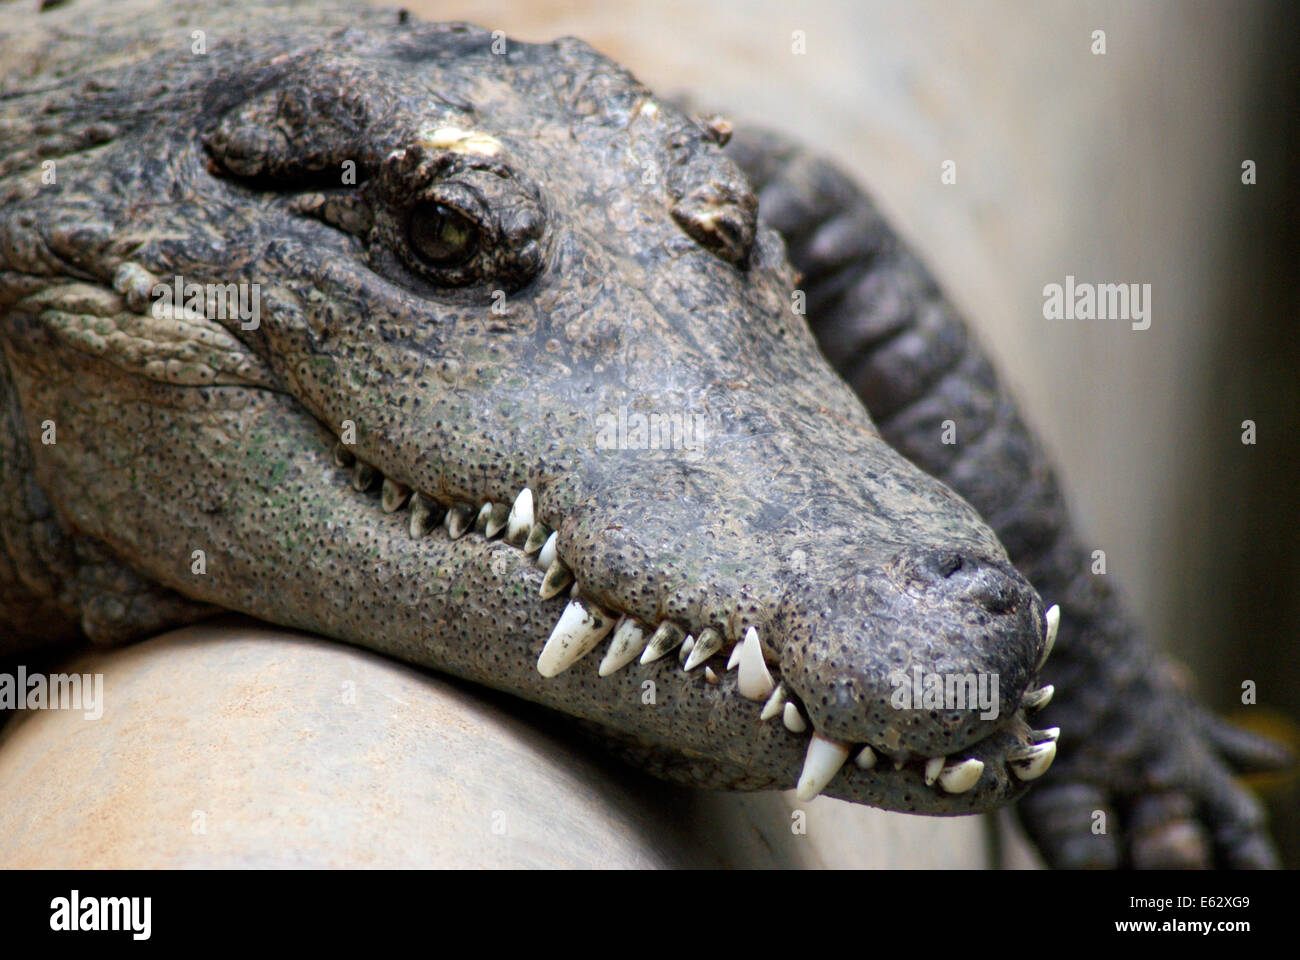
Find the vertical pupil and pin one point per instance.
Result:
(440, 235)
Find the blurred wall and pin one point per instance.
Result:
(1122, 167)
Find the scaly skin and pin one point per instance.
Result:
(531, 242)
(1133, 746)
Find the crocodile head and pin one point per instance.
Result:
(518, 388)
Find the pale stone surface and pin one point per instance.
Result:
(237, 744)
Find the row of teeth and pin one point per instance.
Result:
(583, 625)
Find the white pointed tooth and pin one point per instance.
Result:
(866, 759)
(933, 767)
(546, 556)
(459, 519)
(484, 515)
(629, 640)
(960, 777)
(497, 520)
(394, 496)
(1037, 699)
(581, 626)
(823, 760)
(754, 682)
(537, 537)
(775, 703)
(793, 719)
(1032, 762)
(363, 476)
(665, 638)
(1053, 618)
(558, 578)
(1051, 733)
(424, 515)
(734, 658)
(710, 676)
(687, 646)
(709, 643)
(520, 520)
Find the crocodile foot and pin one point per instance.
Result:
(1151, 785)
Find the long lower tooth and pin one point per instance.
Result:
(537, 538)
(520, 520)
(558, 576)
(709, 643)
(629, 640)
(460, 518)
(1051, 733)
(933, 767)
(425, 515)
(754, 682)
(580, 628)
(823, 760)
(363, 476)
(1032, 762)
(546, 556)
(1037, 699)
(665, 639)
(483, 516)
(960, 777)
(342, 455)
(775, 703)
(394, 496)
(1053, 618)
(497, 519)
(866, 759)
(793, 719)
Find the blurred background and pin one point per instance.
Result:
(1119, 167)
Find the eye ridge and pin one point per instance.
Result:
(441, 235)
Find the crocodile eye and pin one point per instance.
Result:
(442, 237)
(445, 221)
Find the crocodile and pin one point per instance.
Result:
(478, 354)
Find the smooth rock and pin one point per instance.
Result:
(237, 744)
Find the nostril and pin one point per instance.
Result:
(933, 565)
(997, 589)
